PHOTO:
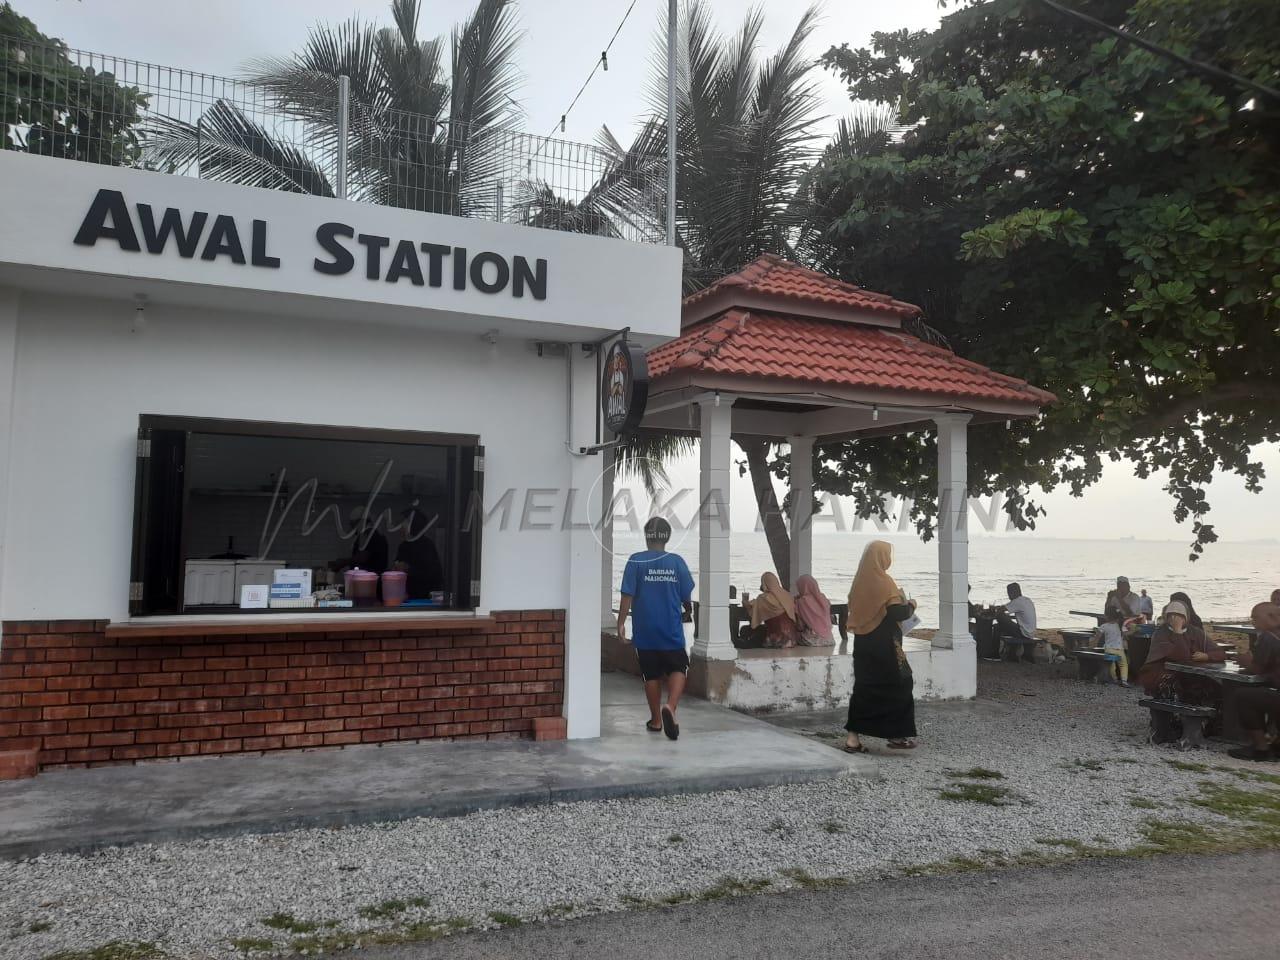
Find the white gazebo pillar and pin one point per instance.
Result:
(801, 512)
(609, 467)
(953, 532)
(716, 419)
(582, 617)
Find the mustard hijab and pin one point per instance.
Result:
(873, 589)
(772, 601)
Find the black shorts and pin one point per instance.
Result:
(656, 664)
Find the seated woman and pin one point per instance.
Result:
(773, 615)
(1193, 619)
(1259, 707)
(1175, 641)
(813, 613)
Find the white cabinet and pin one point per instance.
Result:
(209, 582)
(254, 572)
(218, 582)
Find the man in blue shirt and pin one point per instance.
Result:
(656, 592)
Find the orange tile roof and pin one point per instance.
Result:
(753, 344)
(771, 275)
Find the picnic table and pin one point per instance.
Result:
(1232, 679)
(1082, 613)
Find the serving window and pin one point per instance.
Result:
(235, 516)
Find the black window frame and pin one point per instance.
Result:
(157, 568)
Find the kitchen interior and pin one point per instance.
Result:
(283, 515)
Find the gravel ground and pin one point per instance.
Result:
(1073, 757)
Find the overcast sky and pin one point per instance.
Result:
(562, 40)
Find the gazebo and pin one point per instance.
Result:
(782, 352)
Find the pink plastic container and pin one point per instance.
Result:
(393, 588)
(360, 586)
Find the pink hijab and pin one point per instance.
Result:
(812, 608)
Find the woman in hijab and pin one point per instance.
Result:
(813, 613)
(881, 704)
(1192, 618)
(773, 614)
(1176, 641)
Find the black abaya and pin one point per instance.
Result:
(882, 704)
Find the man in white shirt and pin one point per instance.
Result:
(1016, 625)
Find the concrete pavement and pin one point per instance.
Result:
(80, 810)
(1172, 908)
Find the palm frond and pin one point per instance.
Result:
(227, 146)
(645, 455)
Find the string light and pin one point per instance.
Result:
(602, 62)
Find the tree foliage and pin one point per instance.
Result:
(53, 107)
(1096, 218)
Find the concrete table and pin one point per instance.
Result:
(1232, 679)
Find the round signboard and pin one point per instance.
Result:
(624, 387)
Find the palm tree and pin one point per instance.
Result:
(750, 181)
(426, 116)
(744, 146)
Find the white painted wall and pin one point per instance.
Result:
(82, 377)
(790, 684)
(592, 282)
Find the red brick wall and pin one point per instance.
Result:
(84, 698)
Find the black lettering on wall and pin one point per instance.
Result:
(536, 279)
(404, 263)
(373, 244)
(94, 226)
(223, 238)
(500, 280)
(259, 257)
(186, 238)
(436, 252)
(459, 268)
(327, 235)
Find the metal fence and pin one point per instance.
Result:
(62, 102)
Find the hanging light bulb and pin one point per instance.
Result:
(875, 413)
(604, 60)
(562, 116)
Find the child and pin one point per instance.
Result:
(1111, 634)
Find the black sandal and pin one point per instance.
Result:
(669, 725)
(860, 748)
(657, 729)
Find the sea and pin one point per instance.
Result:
(1059, 575)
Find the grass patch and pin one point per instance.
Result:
(560, 909)
(253, 944)
(290, 924)
(1085, 763)
(422, 932)
(1253, 776)
(1067, 842)
(984, 793)
(504, 919)
(779, 828)
(1143, 803)
(384, 910)
(1187, 766)
(833, 826)
(975, 773)
(949, 866)
(802, 878)
(39, 926)
(115, 950)
(675, 838)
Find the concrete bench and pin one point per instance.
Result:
(1090, 663)
(1193, 720)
